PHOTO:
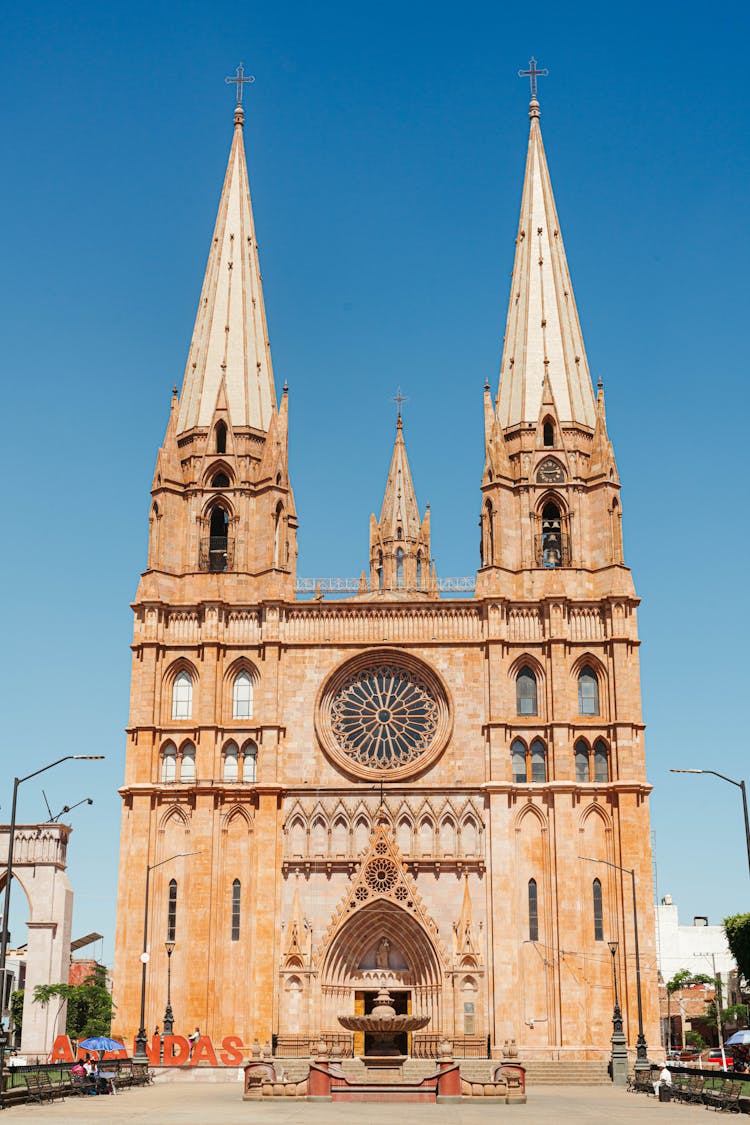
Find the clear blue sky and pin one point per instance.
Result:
(386, 147)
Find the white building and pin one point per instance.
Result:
(697, 947)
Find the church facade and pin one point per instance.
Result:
(397, 787)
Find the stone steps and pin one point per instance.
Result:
(540, 1072)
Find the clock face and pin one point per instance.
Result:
(384, 715)
(550, 472)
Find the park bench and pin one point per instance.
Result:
(724, 1097)
(41, 1087)
(641, 1082)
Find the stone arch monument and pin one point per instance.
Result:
(39, 863)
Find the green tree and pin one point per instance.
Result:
(90, 1005)
(737, 929)
(16, 1009)
(683, 978)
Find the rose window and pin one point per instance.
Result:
(381, 875)
(385, 717)
(383, 713)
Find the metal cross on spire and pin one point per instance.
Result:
(532, 74)
(239, 81)
(399, 399)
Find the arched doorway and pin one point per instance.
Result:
(382, 944)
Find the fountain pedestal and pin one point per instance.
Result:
(383, 1025)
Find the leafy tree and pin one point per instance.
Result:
(683, 978)
(736, 1014)
(16, 1009)
(90, 1005)
(695, 1039)
(737, 929)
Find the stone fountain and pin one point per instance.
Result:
(384, 1025)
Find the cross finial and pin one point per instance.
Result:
(399, 399)
(239, 81)
(532, 74)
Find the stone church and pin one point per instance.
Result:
(399, 786)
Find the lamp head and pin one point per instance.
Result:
(612, 947)
(687, 771)
(88, 757)
(169, 946)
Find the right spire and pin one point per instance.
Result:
(543, 333)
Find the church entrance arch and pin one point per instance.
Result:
(381, 944)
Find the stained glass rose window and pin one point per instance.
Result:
(387, 714)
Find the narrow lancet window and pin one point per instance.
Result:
(538, 761)
(533, 912)
(518, 761)
(601, 762)
(526, 698)
(588, 692)
(249, 762)
(242, 696)
(221, 437)
(169, 763)
(582, 762)
(182, 696)
(218, 540)
(399, 568)
(172, 911)
(236, 901)
(548, 432)
(187, 762)
(598, 912)
(231, 767)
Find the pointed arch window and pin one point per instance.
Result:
(533, 912)
(598, 911)
(518, 762)
(169, 763)
(601, 761)
(277, 532)
(221, 480)
(242, 696)
(551, 536)
(172, 911)
(187, 762)
(231, 762)
(538, 761)
(236, 904)
(220, 434)
(182, 696)
(526, 694)
(399, 568)
(583, 772)
(380, 570)
(218, 542)
(548, 432)
(588, 692)
(490, 534)
(249, 762)
(419, 570)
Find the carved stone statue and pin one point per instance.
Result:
(381, 954)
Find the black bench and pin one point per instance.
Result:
(724, 1097)
(641, 1082)
(41, 1087)
(141, 1075)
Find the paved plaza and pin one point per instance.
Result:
(221, 1103)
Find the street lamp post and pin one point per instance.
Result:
(8, 880)
(741, 786)
(168, 1022)
(619, 1043)
(141, 1039)
(641, 1047)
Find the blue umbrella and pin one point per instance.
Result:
(739, 1039)
(101, 1043)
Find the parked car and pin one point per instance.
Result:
(683, 1054)
(712, 1057)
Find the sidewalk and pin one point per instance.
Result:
(221, 1104)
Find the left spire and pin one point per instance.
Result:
(230, 339)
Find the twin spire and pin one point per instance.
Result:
(543, 337)
(230, 339)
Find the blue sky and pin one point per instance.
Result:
(386, 147)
